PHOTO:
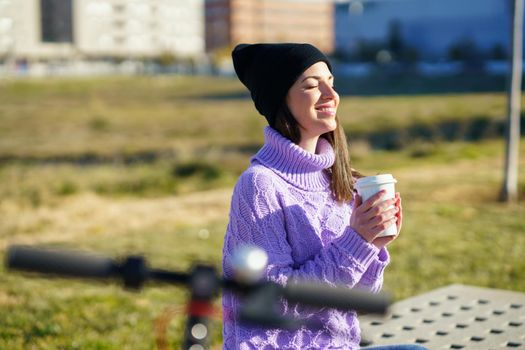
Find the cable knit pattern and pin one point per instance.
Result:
(283, 204)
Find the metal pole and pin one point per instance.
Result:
(509, 192)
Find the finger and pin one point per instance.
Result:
(372, 231)
(380, 208)
(383, 241)
(385, 238)
(384, 216)
(357, 207)
(373, 200)
(360, 209)
(384, 225)
(399, 219)
(399, 205)
(398, 198)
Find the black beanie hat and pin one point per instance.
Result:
(269, 70)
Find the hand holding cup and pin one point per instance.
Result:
(377, 212)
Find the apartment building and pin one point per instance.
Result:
(140, 27)
(27, 33)
(229, 22)
(69, 29)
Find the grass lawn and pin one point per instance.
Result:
(184, 117)
(172, 206)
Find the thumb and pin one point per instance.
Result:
(357, 200)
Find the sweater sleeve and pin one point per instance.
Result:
(372, 279)
(257, 218)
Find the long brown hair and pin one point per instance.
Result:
(343, 176)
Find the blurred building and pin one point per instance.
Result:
(28, 33)
(77, 29)
(146, 27)
(432, 27)
(229, 22)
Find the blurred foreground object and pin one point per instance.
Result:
(204, 284)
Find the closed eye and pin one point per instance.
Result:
(316, 86)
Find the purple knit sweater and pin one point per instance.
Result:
(283, 204)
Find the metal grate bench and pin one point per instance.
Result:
(453, 317)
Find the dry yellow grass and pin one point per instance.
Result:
(89, 214)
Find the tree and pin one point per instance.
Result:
(498, 52)
(464, 49)
(396, 43)
(467, 51)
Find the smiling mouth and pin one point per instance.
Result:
(327, 110)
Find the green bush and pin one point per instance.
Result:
(203, 170)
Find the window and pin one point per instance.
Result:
(56, 21)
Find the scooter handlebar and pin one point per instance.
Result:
(61, 263)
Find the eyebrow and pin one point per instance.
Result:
(316, 77)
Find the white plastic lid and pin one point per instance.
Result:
(375, 180)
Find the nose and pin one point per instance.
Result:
(328, 92)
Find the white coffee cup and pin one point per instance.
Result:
(368, 186)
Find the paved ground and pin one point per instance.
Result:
(453, 317)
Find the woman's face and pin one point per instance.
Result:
(313, 101)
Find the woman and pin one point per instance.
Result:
(296, 200)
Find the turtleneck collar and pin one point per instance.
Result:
(294, 164)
